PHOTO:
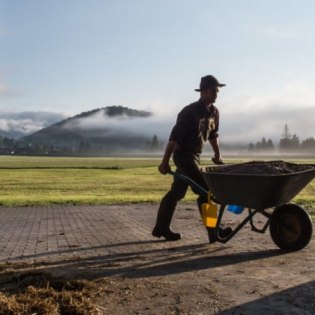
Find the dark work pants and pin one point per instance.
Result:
(188, 165)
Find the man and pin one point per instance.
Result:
(196, 124)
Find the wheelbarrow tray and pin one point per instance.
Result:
(259, 191)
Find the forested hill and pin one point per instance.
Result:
(113, 111)
(100, 130)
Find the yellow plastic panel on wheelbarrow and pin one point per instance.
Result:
(209, 214)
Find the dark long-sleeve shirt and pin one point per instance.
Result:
(196, 124)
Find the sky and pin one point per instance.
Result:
(65, 57)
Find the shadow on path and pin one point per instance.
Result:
(296, 300)
(82, 249)
(138, 262)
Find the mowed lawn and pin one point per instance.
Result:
(61, 180)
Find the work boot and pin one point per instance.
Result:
(223, 233)
(164, 217)
(168, 234)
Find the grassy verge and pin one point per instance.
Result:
(81, 186)
(50, 180)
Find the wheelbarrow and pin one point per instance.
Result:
(290, 225)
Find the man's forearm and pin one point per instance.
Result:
(170, 147)
(165, 167)
(215, 147)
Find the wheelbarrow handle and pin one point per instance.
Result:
(189, 181)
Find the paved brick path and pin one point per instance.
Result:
(64, 232)
(36, 234)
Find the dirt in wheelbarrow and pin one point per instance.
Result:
(263, 167)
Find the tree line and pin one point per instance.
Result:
(85, 146)
(288, 143)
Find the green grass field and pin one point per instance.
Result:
(60, 180)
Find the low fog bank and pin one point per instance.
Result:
(251, 115)
(227, 153)
(121, 125)
(25, 123)
(245, 119)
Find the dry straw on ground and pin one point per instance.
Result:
(40, 293)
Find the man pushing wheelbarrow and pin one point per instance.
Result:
(196, 124)
(262, 187)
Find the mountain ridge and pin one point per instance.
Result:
(100, 130)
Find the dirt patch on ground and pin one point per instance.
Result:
(43, 293)
(247, 275)
(202, 282)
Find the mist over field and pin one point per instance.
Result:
(251, 116)
(18, 124)
(122, 125)
(244, 119)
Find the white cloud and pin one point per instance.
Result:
(23, 125)
(147, 126)
(299, 94)
(27, 122)
(163, 110)
(249, 117)
(4, 90)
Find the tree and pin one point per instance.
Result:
(84, 146)
(295, 142)
(258, 145)
(308, 145)
(154, 144)
(263, 145)
(288, 142)
(270, 145)
(251, 147)
(286, 133)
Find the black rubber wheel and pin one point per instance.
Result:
(290, 227)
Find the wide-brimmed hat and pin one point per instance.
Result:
(207, 82)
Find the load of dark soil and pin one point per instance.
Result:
(262, 167)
